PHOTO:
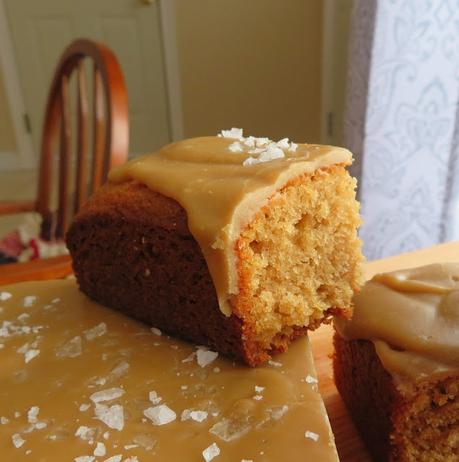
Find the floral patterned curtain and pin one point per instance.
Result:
(402, 122)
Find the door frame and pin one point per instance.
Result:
(26, 158)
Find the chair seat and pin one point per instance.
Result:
(36, 270)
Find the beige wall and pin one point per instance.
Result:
(7, 138)
(254, 64)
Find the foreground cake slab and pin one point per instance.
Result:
(81, 382)
(237, 243)
(397, 364)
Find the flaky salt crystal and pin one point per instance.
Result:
(132, 459)
(30, 354)
(112, 416)
(84, 407)
(154, 398)
(84, 459)
(23, 316)
(70, 349)
(198, 416)
(4, 420)
(32, 414)
(274, 363)
(96, 331)
(233, 133)
(205, 357)
(293, 147)
(116, 458)
(106, 395)
(4, 296)
(211, 452)
(283, 143)
(259, 389)
(311, 435)
(235, 147)
(258, 397)
(310, 379)
(156, 331)
(160, 415)
(85, 433)
(29, 300)
(189, 358)
(249, 161)
(100, 450)
(17, 440)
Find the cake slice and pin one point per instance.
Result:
(396, 364)
(237, 243)
(83, 383)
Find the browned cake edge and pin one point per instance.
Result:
(418, 423)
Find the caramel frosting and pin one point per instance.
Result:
(222, 182)
(412, 317)
(80, 382)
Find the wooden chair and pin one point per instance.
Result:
(110, 135)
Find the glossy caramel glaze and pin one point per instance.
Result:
(67, 362)
(412, 317)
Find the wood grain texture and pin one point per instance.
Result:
(350, 447)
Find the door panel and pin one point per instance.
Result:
(41, 30)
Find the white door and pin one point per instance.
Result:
(131, 28)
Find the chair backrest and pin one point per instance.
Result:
(109, 133)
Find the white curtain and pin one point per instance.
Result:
(402, 122)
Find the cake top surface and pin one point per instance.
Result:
(81, 380)
(221, 182)
(412, 316)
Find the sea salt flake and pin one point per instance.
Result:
(236, 147)
(84, 407)
(278, 412)
(205, 357)
(112, 416)
(232, 133)
(258, 397)
(154, 398)
(249, 161)
(106, 435)
(310, 379)
(229, 429)
(132, 459)
(246, 460)
(160, 415)
(85, 433)
(17, 414)
(130, 446)
(198, 416)
(96, 331)
(55, 300)
(29, 300)
(17, 440)
(106, 395)
(311, 435)
(189, 358)
(116, 458)
(274, 363)
(84, 459)
(283, 143)
(41, 425)
(259, 389)
(30, 354)
(4, 420)
(211, 452)
(32, 414)
(184, 387)
(156, 331)
(4, 296)
(23, 316)
(100, 450)
(71, 349)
